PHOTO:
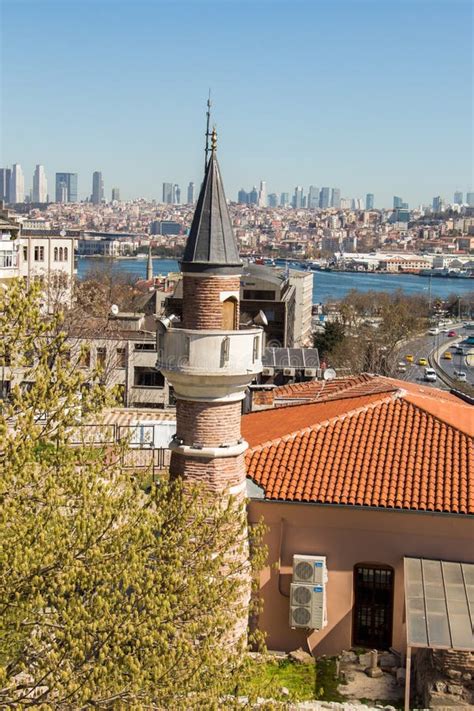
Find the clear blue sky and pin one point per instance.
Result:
(369, 95)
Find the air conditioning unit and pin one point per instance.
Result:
(289, 371)
(311, 372)
(267, 370)
(308, 606)
(310, 569)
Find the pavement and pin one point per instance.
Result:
(424, 346)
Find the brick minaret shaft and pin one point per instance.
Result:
(210, 362)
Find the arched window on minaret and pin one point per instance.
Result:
(229, 314)
(55, 254)
(60, 254)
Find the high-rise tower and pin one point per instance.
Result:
(207, 359)
(97, 196)
(40, 185)
(17, 184)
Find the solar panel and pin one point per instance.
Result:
(298, 358)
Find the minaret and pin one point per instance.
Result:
(149, 265)
(206, 358)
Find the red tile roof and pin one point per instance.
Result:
(388, 449)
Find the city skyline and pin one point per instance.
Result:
(368, 122)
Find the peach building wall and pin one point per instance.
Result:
(347, 536)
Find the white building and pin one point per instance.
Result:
(40, 185)
(17, 184)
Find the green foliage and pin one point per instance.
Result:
(268, 675)
(332, 336)
(110, 597)
(327, 680)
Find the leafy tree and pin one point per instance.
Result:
(331, 337)
(113, 595)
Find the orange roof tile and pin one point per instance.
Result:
(393, 450)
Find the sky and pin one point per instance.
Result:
(366, 95)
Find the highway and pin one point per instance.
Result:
(426, 345)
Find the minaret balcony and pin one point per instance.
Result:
(210, 365)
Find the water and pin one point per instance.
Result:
(326, 285)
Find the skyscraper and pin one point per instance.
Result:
(273, 200)
(313, 197)
(437, 203)
(66, 187)
(262, 194)
(253, 196)
(115, 194)
(97, 196)
(176, 194)
(336, 197)
(17, 184)
(168, 193)
(470, 199)
(284, 199)
(40, 185)
(458, 197)
(298, 197)
(191, 194)
(5, 179)
(369, 201)
(325, 198)
(397, 201)
(243, 197)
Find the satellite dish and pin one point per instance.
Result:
(329, 374)
(261, 319)
(62, 233)
(114, 310)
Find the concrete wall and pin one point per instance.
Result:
(347, 536)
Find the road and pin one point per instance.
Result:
(422, 347)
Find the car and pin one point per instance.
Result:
(430, 375)
(409, 358)
(460, 375)
(402, 367)
(447, 355)
(452, 334)
(459, 350)
(433, 331)
(444, 330)
(422, 361)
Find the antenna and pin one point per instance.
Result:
(208, 133)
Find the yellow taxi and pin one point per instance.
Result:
(422, 361)
(447, 355)
(409, 358)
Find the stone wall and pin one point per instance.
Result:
(444, 678)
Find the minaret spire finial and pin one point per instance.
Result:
(214, 140)
(208, 117)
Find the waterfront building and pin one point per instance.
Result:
(40, 185)
(191, 193)
(284, 199)
(369, 201)
(262, 194)
(17, 184)
(97, 197)
(336, 198)
(168, 193)
(458, 198)
(325, 198)
(115, 195)
(66, 187)
(313, 197)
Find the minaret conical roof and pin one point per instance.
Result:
(211, 246)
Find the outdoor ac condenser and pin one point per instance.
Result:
(310, 569)
(268, 370)
(310, 372)
(308, 606)
(289, 371)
